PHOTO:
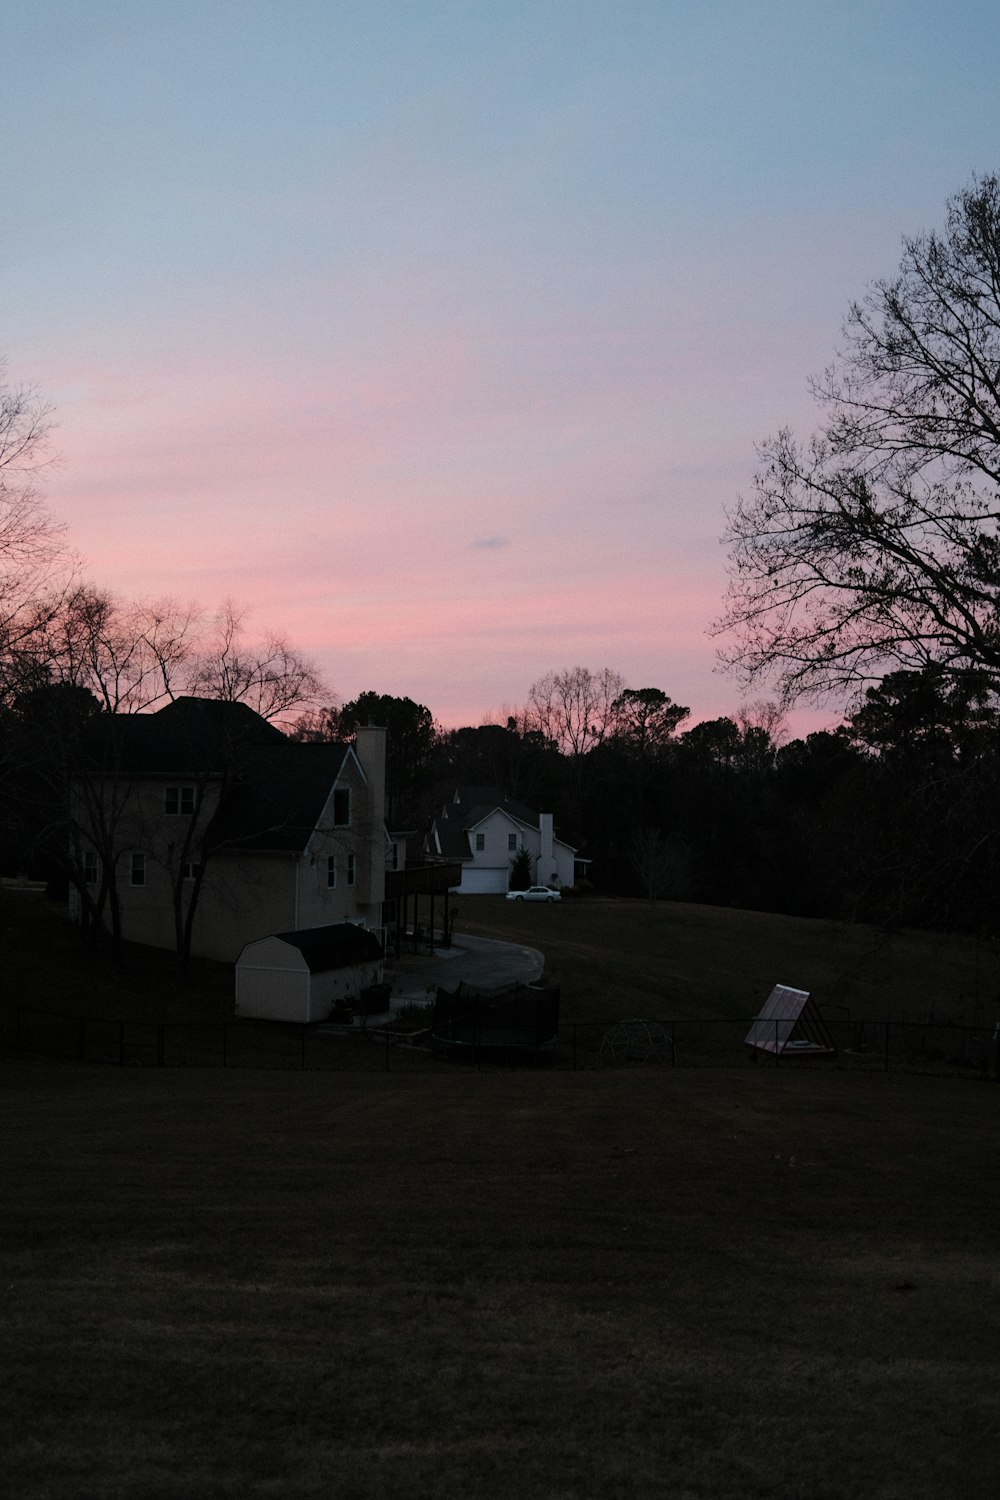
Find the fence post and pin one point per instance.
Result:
(673, 1044)
(387, 1049)
(225, 1044)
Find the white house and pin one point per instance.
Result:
(484, 830)
(204, 813)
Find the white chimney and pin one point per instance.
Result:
(369, 746)
(546, 855)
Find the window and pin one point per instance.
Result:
(190, 871)
(480, 842)
(179, 800)
(352, 868)
(90, 867)
(137, 869)
(331, 872)
(341, 808)
(512, 843)
(394, 864)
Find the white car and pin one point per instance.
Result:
(534, 893)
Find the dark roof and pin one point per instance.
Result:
(277, 795)
(474, 802)
(469, 806)
(333, 947)
(274, 788)
(192, 735)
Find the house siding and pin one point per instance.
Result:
(487, 871)
(246, 892)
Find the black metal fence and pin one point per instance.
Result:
(933, 1047)
(883, 1046)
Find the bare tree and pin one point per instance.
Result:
(271, 676)
(317, 725)
(660, 863)
(30, 541)
(130, 653)
(35, 562)
(575, 709)
(765, 717)
(874, 547)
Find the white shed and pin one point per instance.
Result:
(299, 976)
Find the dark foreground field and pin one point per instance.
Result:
(691, 1284)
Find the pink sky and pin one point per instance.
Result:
(413, 533)
(442, 338)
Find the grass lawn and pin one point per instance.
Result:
(704, 970)
(686, 1284)
(47, 967)
(614, 958)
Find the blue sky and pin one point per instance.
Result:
(441, 334)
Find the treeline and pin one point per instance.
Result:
(892, 818)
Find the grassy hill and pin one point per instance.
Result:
(46, 966)
(616, 958)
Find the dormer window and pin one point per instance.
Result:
(179, 800)
(342, 808)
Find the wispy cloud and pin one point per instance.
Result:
(490, 543)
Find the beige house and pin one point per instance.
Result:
(215, 829)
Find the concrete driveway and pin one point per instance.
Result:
(482, 962)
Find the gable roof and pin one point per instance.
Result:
(470, 805)
(277, 796)
(333, 947)
(274, 788)
(473, 803)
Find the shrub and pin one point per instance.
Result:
(520, 871)
(415, 1014)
